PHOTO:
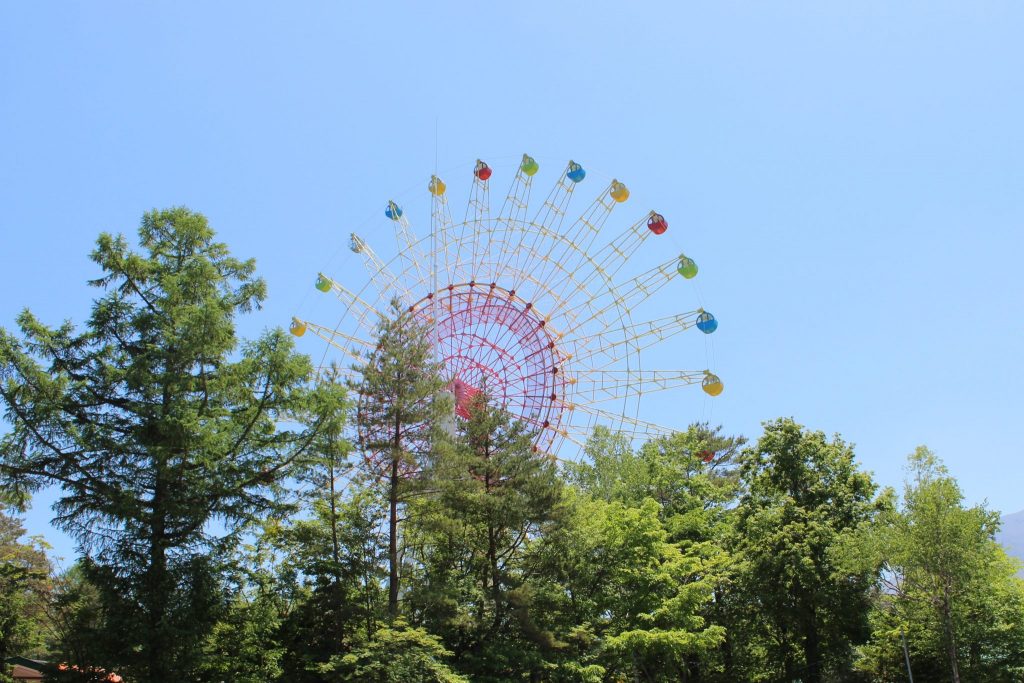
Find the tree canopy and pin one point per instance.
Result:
(242, 517)
(156, 421)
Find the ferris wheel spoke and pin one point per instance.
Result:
(363, 313)
(583, 232)
(352, 346)
(383, 280)
(537, 424)
(617, 422)
(442, 238)
(634, 291)
(408, 244)
(642, 335)
(478, 216)
(548, 218)
(512, 212)
(574, 290)
(518, 198)
(552, 211)
(595, 386)
(333, 372)
(611, 257)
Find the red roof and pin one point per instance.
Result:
(23, 673)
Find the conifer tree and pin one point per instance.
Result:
(154, 420)
(401, 409)
(490, 496)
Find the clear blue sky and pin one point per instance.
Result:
(849, 175)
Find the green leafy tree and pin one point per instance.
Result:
(242, 647)
(620, 597)
(396, 654)
(155, 421)
(943, 583)
(803, 494)
(79, 631)
(693, 476)
(25, 586)
(339, 598)
(399, 417)
(686, 473)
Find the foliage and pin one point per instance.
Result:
(400, 415)
(24, 590)
(492, 495)
(80, 630)
(619, 594)
(944, 583)
(693, 475)
(155, 422)
(803, 494)
(447, 550)
(338, 599)
(396, 654)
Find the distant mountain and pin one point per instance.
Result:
(1011, 535)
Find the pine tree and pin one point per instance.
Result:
(490, 496)
(401, 405)
(155, 421)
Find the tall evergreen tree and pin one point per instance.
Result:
(155, 421)
(401, 410)
(491, 495)
(331, 557)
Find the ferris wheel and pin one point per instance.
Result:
(525, 303)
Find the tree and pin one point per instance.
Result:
(693, 475)
(802, 495)
(24, 590)
(338, 597)
(943, 581)
(399, 417)
(491, 495)
(79, 630)
(687, 473)
(396, 654)
(242, 647)
(618, 596)
(155, 421)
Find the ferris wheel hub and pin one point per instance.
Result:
(493, 342)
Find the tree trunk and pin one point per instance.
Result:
(947, 622)
(492, 563)
(334, 526)
(788, 665)
(393, 540)
(157, 644)
(975, 658)
(812, 655)
(727, 659)
(492, 553)
(692, 671)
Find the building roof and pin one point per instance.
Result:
(26, 669)
(24, 673)
(31, 670)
